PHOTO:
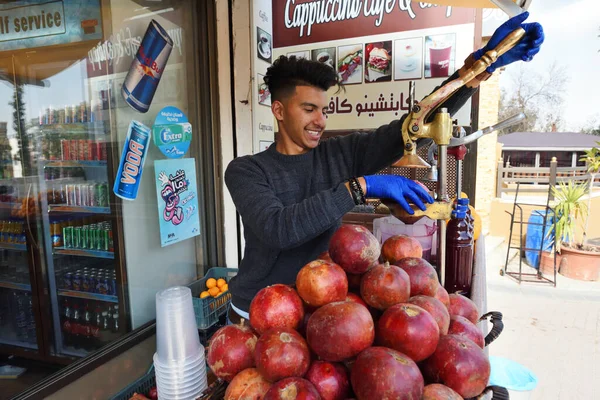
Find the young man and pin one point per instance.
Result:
(293, 196)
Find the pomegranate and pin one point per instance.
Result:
(386, 374)
(354, 248)
(433, 306)
(385, 285)
(231, 350)
(292, 389)
(463, 306)
(325, 256)
(276, 306)
(281, 353)
(435, 391)
(353, 280)
(330, 379)
(340, 330)
(459, 364)
(409, 329)
(423, 278)
(463, 327)
(356, 299)
(248, 384)
(442, 295)
(320, 282)
(397, 247)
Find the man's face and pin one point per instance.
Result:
(301, 118)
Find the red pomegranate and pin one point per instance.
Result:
(385, 285)
(409, 329)
(382, 373)
(423, 278)
(354, 280)
(248, 384)
(435, 391)
(459, 364)
(354, 248)
(320, 282)
(463, 327)
(356, 299)
(281, 353)
(433, 306)
(325, 256)
(338, 331)
(397, 247)
(330, 380)
(463, 306)
(231, 350)
(292, 389)
(442, 295)
(276, 306)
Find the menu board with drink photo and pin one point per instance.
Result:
(439, 55)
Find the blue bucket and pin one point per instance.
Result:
(534, 236)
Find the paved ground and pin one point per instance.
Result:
(555, 332)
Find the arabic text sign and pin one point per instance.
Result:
(177, 195)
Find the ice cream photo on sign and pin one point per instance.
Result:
(439, 55)
(350, 64)
(378, 59)
(408, 59)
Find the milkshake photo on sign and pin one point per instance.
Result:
(264, 96)
(408, 56)
(378, 62)
(325, 56)
(263, 47)
(439, 55)
(299, 54)
(350, 64)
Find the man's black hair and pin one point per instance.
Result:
(287, 73)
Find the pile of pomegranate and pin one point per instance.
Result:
(364, 322)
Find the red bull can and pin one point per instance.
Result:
(147, 67)
(131, 166)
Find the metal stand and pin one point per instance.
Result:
(516, 218)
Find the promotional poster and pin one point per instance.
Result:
(177, 196)
(172, 132)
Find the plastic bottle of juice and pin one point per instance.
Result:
(459, 254)
(465, 204)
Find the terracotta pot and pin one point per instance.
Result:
(579, 264)
(547, 263)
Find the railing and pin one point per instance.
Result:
(538, 178)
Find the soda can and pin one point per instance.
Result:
(83, 112)
(81, 148)
(61, 116)
(92, 198)
(102, 284)
(112, 286)
(68, 115)
(76, 283)
(70, 194)
(65, 148)
(104, 239)
(74, 149)
(68, 281)
(102, 152)
(129, 175)
(85, 237)
(94, 151)
(93, 237)
(85, 194)
(85, 282)
(77, 237)
(75, 114)
(147, 67)
(68, 237)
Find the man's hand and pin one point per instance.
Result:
(397, 188)
(527, 47)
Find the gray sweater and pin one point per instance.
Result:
(291, 205)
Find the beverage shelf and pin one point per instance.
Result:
(79, 209)
(13, 246)
(84, 253)
(74, 163)
(13, 285)
(89, 296)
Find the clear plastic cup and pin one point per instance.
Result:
(181, 366)
(182, 387)
(164, 393)
(176, 332)
(180, 377)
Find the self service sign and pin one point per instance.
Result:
(28, 24)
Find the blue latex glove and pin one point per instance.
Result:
(397, 188)
(527, 47)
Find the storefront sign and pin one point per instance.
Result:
(32, 24)
(298, 22)
(172, 132)
(177, 200)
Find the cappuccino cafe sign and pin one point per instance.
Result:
(309, 21)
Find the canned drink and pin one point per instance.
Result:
(102, 151)
(70, 194)
(85, 282)
(102, 285)
(94, 237)
(65, 147)
(77, 237)
(85, 237)
(68, 280)
(77, 191)
(112, 286)
(61, 116)
(51, 119)
(75, 113)
(76, 283)
(147, 67)
(94, 151)
(74, 149)
(68, 237)
(84, 198)
(82, 112)
(129, 175)
(105, 239)
(81, 148)
(68, 115)
(92, 198)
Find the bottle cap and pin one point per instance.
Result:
(459, 214)
(463, 202)
(461, 207)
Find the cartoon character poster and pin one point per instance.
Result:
(177, 200)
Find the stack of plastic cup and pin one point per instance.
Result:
(179, 359)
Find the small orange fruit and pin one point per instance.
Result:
(204, 294)
(211, 283)
(214, 291)
(221, 282)
(224, 288)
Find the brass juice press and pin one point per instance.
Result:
(442, 131)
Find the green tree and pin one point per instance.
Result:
(19, 126)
